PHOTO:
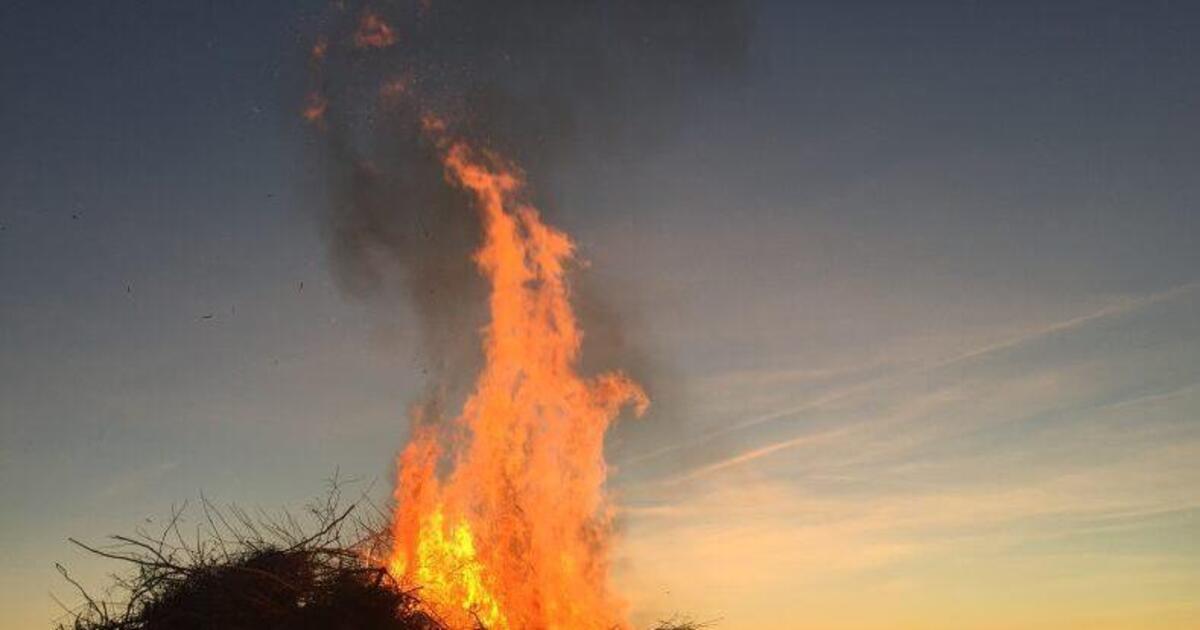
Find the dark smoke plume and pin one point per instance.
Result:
(534, 80)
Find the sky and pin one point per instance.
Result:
(916, 296)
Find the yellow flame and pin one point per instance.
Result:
(448, 569)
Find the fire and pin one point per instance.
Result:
(319, 49)
(396, 88)
(502, 518)
(373, 32)
(314, 107)
(517, 533)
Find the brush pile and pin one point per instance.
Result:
(242, 572)
(235, 571)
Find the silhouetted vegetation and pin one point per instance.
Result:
(682, 623)
(235, 571)
(231, 570)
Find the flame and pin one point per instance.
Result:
(502, 519)
(517, 533)
(373, 32)
(396, 88)
(315, 105)
(319, 49)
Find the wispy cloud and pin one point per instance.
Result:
(740, 536)
(827, 400)
(804, 440)
(1111, 310)
(1059, 464)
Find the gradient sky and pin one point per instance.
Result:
(919, 301)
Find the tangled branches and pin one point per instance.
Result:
(231, 570)
(239, 571)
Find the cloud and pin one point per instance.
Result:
(1058, 465)
(804, 440)
(745, 540)
(1016, 393)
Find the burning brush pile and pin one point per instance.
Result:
(501, 515)
(240, 572)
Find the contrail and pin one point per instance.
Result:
(754, 454)
(1118, 308)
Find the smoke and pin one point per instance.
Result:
(537, 81)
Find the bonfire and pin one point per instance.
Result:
(501, 515)
(238, 572)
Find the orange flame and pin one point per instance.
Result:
(373, 32)
(517, 534)
(315, 105)
(395, 89)
(318, 51)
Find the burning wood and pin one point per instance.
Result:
(238, 572)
